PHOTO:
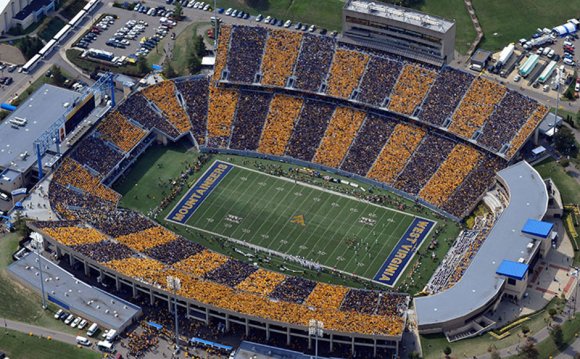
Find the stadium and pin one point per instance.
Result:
(338, 160)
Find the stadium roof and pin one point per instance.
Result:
(538, 228)
(480, 284)
(104, 308)
(40, 109)
(399, 13)
(512, 269)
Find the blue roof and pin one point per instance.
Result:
(512, 269)
(210, 344)
(538, 228)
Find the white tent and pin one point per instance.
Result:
(565, 29)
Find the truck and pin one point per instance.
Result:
(545, 39)
(506, 54)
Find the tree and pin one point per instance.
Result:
(525, 330)
(58, 78)
(529, 351)
(178, 12)
(199, 46)
(20, 225)
(557, 335)
(565, 142)
(414, 355)
(142, 65)
(168, 70)
(194, 64)
(447, 351)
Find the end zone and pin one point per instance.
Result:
(403, 252)
(191, 201)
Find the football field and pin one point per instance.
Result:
(300, 220)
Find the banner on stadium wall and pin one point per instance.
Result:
(404, 251)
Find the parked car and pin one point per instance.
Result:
(58, 314)
(82, 324)
(69, 319)
(76, 322)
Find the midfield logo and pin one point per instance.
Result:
(299, 219)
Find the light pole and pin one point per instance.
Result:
(315, 327)
(558, 82)
(174, 284)
(39, 260)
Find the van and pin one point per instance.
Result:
(546, 51)
(568, 43)
(105, 346)
(92, 329)
(83, 341)
(111, 335)
(4, 196)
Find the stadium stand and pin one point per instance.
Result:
(379, 80)
(281, 52)
(450, 174)
(231, 273)
(477, 105)
(222, 51)
(293, 289)
(222, 108)
(262, 282)
(137, 108)
(313, 62)
(249, 120)
(104, 251)
(444, 96)
(309, 129)
(340, 133)
(284, 111)
(116, 129)
(245, 53)
(75, 235)
(174, 251)
(326, 296)
(346, 72)
(195, 93)
(148, 238)
(367, 145)
(526, 130)
(201, 263)
(411, 88)
(396, 152)
(163, 96)
(96, 154)
(72, 173)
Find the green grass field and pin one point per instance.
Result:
(296, 219)
(567, 185)
(22, 346)
(149, 181)
(51, 28)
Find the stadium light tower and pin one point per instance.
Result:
(315, 327)
(174, 284)
(39, 260)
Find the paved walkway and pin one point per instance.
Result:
(38, 331)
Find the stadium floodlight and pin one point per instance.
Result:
(316, 328)
(174, 283)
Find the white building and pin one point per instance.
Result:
(23, 12)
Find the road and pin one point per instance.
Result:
(38, 331)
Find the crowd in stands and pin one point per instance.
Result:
(450, 174)
(201, 263)
(245, 53)
(137, 108)
(282, 49)
(75, 235)
(222, 107)
(444, 96)
(367, 145)
(231, 273)
(526, 130)
(174, 251)
(510, 115)
(411, 89)
(117, 222)
(195, 93)
(396, 153)
(164, 97)
(116, 129)
(426, 160)
(249, 120)
(225, 32)
(346, 71)
(326, 296)
(477, 105)
(313, 62)
(477, 182)
(340, 133)
(104, 251)
(379, 80)
(261, 282)
(96, 154)
(72, 173)
(64, 199)
(309, 129)
(148, 238)
(293, 289)
(284, 110)
(361, 300)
